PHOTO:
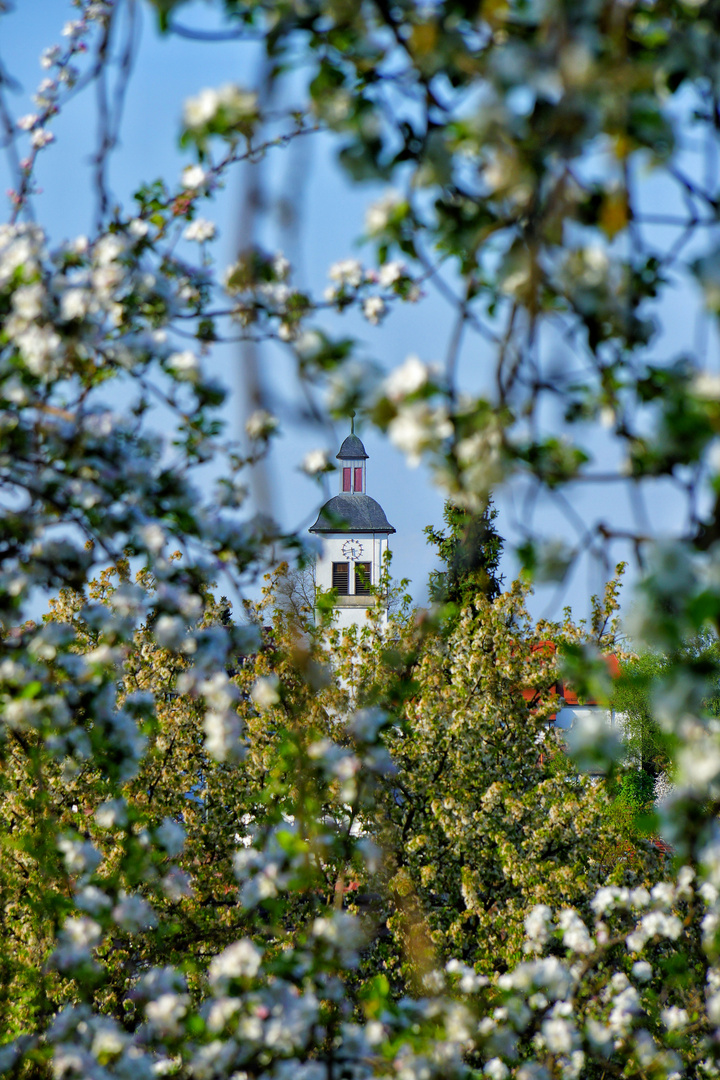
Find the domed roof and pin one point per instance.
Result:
(352, 513)
(352, 448)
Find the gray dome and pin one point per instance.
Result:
(352, 448)
(352, 513)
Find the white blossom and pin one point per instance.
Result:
(28, 301)
(315, 461)
(109, 249)
(390, 273)
(265, 692)
(281, 266)
(40, 347)
(366, 723)
(76, 303)
(170, 631)
(108, 1039)
(374, 307)
(203, 109)
(625, 1007)
(224, 735)
(49, 56)
(111, 814)
(698, 765)
(240, 960)
(547, 974)
(418, 427)
(138, 228)
(708, 892)
(592, 739)
(496, 1069)
(604, 899)
(706, 384)
(537, 927)
(41, 137)
(176, 884)
(559, 1035)
(153, 537)
(80, 856)
(133, 913)
(28, 122)
(341, 933)
(348, 273)
(674, 1018)
(76, 941)
(166, 1013)
(171, 835)
(575, 934)
(713, 1008)
(157, 981)
(261, 424)
(410, 377)
(469, 981)
(194, 176)
(379, 213)
(92, 900)
(599, 1036)
(200, 230)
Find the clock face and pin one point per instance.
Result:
(352, 549)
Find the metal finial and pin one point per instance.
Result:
(352, 423)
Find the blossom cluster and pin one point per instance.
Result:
(259, 285)
(351, 282)
(269, 848)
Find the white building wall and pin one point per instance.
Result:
(566, 717)
(351, 609)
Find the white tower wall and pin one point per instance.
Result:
(354, 532)
(351, 607)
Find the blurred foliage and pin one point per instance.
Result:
(273, 849)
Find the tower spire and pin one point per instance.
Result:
(355, 533)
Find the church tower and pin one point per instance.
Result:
(354, 533)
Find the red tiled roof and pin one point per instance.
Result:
(562, 689)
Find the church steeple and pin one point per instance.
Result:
(355, 533)
(352, 455)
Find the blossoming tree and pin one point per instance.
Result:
(516, 135)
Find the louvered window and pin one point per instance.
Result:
(341, 577)
(363, 580)
(346, 479)
(358, 479)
